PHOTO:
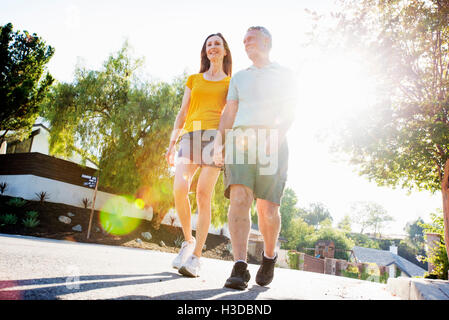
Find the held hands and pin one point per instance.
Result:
(218, 153)
(170, 156)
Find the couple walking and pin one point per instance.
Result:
(237, 125)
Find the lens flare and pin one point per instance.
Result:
(139, 203)
(119, 215)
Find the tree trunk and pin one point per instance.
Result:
(445, 193)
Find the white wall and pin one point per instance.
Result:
(41, 144)
(26, 186)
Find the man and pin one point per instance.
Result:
(260, 109)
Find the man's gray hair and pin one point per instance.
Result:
(263, 30)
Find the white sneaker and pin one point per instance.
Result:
(191, 268)
(186, 250)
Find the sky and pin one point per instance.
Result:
(169, 36)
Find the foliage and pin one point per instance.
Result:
(415, 232)
(3, 187)
(316, 213)
(401, 138)
(8, 218)
(22, 83)
(30, 222)
(350, 272)
(42, 196)
(338, 237)
(293, 259)
(122, 124)
(32, 214)
(369, 215)
(345, 224)
(297, 234)
(411, 251)
(364, 241)
(16, 202)
(438, 255)
(288, 210)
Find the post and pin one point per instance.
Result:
(93, 207)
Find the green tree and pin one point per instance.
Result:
(402, 137)
(345, 224)
(438, 255)
(288, 209)
(341, 241)
(297, 234)
(415, 232)
(120, 123)
(378, 216)
(23, 85)
(316, 213)
(362, 240)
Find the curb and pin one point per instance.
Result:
(418, 289)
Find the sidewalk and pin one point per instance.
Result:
(44, 269)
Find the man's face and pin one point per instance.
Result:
(256, 44)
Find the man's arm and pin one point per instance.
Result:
(226, 122)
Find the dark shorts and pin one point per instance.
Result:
(246, 163)
(198, 147)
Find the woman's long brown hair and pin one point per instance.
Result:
(227, 60)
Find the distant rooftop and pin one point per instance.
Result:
(386, 258)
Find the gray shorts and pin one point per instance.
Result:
(198, 147)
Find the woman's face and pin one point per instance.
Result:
(215, 49)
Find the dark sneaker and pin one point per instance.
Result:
(239, 277)
(266, 271)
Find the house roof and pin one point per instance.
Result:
(386, 258)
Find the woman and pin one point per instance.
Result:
(197, 123)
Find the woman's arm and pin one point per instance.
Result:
(179, 124)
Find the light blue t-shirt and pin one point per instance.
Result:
(266, 96)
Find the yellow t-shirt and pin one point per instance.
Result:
(207, 100)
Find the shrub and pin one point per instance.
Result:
(293, 259)
(438, 256)
(31, 214)
(30, 222)
(16, 202)
(8, 218)
(350, 272)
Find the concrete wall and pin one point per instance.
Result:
(26, 187)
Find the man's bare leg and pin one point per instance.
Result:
(269, 225)
(239, 219)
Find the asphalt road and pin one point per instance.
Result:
(44, 269)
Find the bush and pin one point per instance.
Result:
(16, 202)
(339, 238)
(31, 214)
(30, 222)
(8, 218)
(437, 256)
(293, 259)
(350, 272)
